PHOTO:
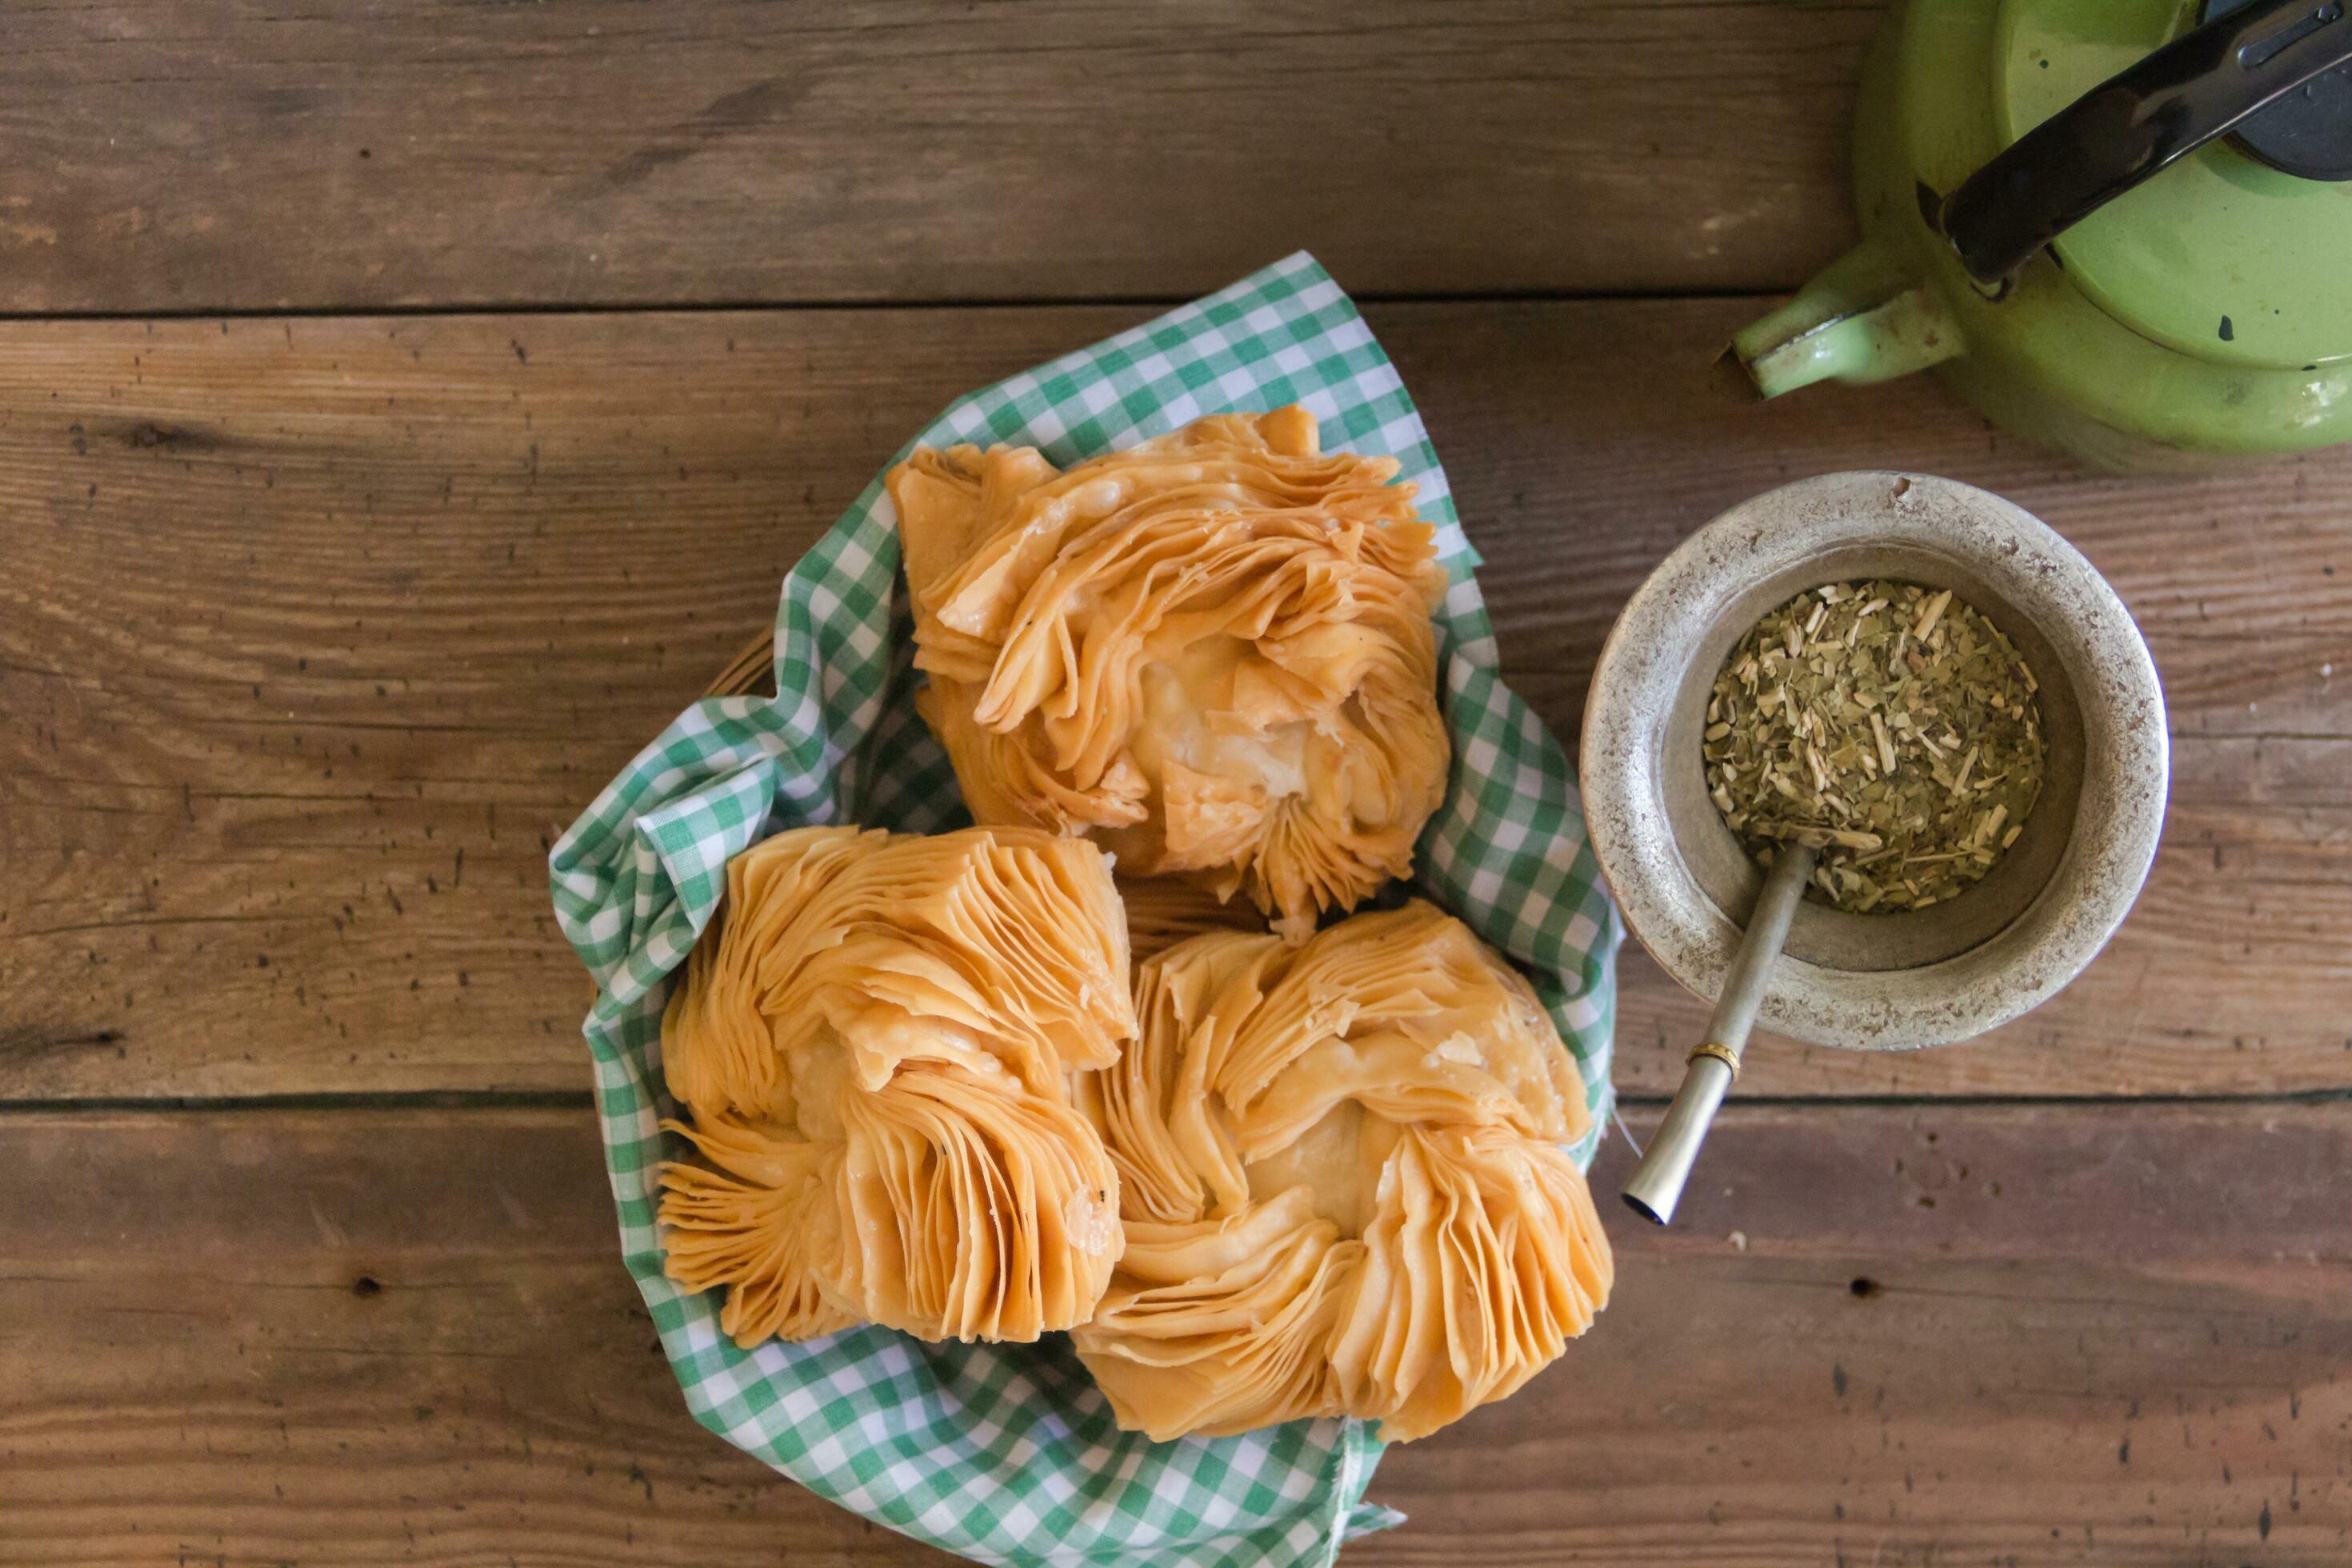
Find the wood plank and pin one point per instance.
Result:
(313, 633)
(231, 154)
(2113, 1336)
(352, 1338)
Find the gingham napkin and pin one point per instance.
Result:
(1008, 1453)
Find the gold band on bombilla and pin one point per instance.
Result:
(1656, 1184)
(1723, 1054)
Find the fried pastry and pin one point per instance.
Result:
(876, 1041)
(1342, 1183)
(1164, 910)
(1211, 653)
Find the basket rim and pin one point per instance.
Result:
(750, 673)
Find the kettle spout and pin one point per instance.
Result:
(1863, 319)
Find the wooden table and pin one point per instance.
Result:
(404, 410)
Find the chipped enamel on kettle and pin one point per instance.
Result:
(2120, 226)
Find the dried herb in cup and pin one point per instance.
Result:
(1894, 720)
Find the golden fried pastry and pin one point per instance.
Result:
(876, 1041)
(1342, 1184)
(1211, 653)
(1164, 910)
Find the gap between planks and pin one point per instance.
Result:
(462, 309)
(492, 1100)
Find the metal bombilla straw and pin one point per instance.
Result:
(1656, 1184)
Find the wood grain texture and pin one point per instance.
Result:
(225, 154)
(404, 1335)
(313, 633)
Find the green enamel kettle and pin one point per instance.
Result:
(2120, 226)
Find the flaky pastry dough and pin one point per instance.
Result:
(1342, 1184)
(876, 1041)
(1164, 910)
(1211, 653)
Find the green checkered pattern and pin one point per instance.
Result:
(1008, 1453)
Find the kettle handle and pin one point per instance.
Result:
(2131, 126)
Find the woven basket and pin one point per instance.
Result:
(751, 673)
(869, 1418)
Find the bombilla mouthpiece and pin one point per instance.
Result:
(1658, 1183)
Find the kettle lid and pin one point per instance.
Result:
(2308, 133)
(2237, 253)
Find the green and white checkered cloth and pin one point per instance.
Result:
(1008, 1453)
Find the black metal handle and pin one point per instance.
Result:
(2132, 125)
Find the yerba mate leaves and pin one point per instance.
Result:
(1893, 718)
